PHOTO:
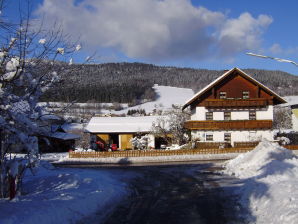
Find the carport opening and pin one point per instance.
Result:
(114, 139)
(159, 141)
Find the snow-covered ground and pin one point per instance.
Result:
(270, 177)
(65, 195)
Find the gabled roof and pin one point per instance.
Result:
(222, 77)
(121, 124)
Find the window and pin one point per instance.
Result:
(227, 116)
(209, 137)
(252, 115)
(209, 115)
(222, 95)
(227, 137)
(245, 94)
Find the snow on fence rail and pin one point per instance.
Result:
(151, 153)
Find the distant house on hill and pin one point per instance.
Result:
(235, 109)
(120, 130)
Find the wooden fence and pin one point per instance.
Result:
(150, 153)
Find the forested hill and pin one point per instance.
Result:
(132, 82)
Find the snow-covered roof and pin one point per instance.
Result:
(72, 126)
(47, 117)
(120, 124)
(63, 135)
(188, 102)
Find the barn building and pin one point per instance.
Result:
(120, 130)
(232, 110)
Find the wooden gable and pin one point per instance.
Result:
(233, 84)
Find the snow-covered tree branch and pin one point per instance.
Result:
(170, 126)
(28, 59)
(282, 118)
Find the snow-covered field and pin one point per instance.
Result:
(166, 97)
(65, 195)
(270, 189)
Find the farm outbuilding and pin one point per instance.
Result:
(120, 130)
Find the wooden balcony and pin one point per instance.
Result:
(236, 103)
(229, 125)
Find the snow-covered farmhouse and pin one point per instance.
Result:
(120, 131)
(232, 110)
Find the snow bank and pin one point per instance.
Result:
(253, 163)
(65, 195)
(270, 177)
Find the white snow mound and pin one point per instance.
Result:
(269, 189)
(252, 163)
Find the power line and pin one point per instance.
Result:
(268, 57)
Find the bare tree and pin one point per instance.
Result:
(282, 118)
(170, 126)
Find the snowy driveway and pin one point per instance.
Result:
(193, 193)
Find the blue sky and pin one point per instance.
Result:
(200, 34)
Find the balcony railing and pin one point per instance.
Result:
(229, 125)
(236, 103)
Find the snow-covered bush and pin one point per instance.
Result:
(283, 140)
(140, 143)
(83, 150)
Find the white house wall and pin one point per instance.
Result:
(263, 114)
(295, 119)
(151, 141)
(236, 136)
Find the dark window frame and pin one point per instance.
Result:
(252, 115)
(209, 137)
(222, 95)
(227, 116)
(227, 137)
(209, 116)
(245, 95)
